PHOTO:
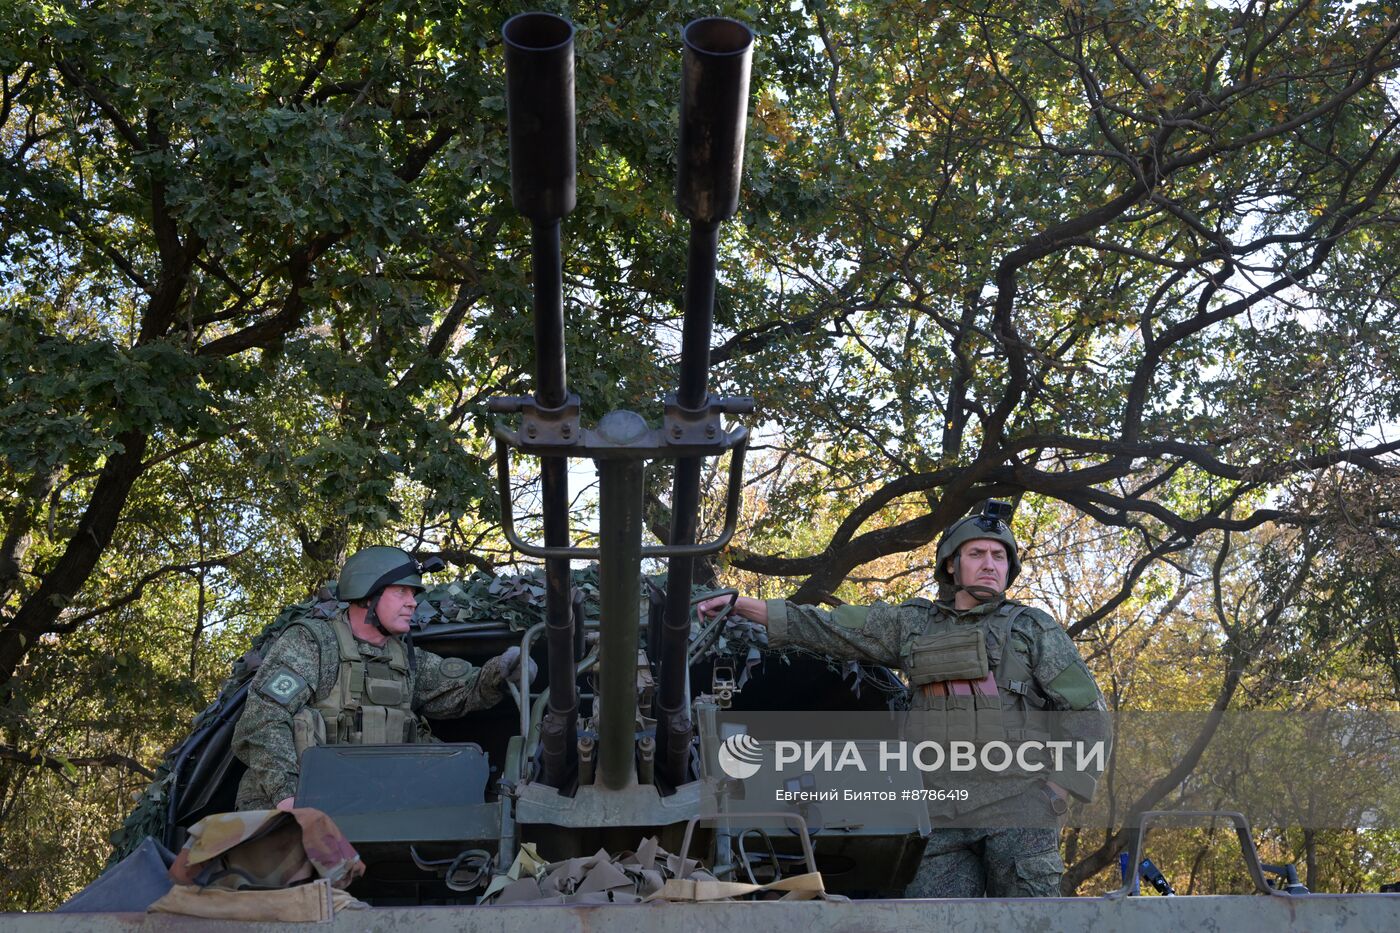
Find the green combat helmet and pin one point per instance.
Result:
(369, 571)
(993, 522)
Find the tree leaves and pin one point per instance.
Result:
(261, 273)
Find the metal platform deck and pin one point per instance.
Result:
(1318, 913)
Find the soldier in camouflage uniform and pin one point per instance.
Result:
(987, 659)
(352, 679)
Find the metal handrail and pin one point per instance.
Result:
(795, 818)
(1247, 849)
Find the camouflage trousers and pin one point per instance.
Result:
(1002, 862)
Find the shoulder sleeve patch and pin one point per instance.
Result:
(1077, 686)
(282, 686)
(454, 668)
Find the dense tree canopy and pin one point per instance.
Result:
(1131, 264)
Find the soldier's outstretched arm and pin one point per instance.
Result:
(872, 633)
(263, 737)
(449, 687)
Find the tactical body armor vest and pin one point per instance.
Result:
(371, 702)
(976, 673)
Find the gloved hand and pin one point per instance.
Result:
(508, 663)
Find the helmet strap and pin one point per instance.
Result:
(372, 617)
(983, 594)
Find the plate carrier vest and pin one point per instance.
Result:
(371, 702)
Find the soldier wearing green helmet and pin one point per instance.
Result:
(997, 663)
(989, 525)
(354, 679)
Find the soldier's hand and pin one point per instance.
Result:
(509, 664)
(745, 607)
(286, 803)
(713, 606)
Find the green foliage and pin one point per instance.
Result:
(259, 272)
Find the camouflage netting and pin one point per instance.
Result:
(479, 599)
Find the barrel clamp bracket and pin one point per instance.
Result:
(692, 426)
(540, 426)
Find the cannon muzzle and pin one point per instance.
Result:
(714, 111)
(540, 110)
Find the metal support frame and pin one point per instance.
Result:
(795, 819)
(1247, 849)
(736, 440)
(620, 537)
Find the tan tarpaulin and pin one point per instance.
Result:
(797, 888)
(315, 902)
(263, 865)
(266, 849)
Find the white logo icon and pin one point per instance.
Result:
(740, 756)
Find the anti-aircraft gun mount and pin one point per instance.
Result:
(629, 766)
(713, 111)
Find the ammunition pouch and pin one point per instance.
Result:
(972, 682)
(960, 654)
(382, 686)
(383, 725)
(308, 729)
(963, 716)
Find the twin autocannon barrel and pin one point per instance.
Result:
(540, 106)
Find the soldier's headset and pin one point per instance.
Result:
(389, 578)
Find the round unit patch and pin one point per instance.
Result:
(282, 686)
(454, 667)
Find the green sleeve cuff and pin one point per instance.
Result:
(288, 789)
(777, 622)
(489, 676)
(490, 691)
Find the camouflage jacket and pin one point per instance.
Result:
(441, 688)
(882, 633)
